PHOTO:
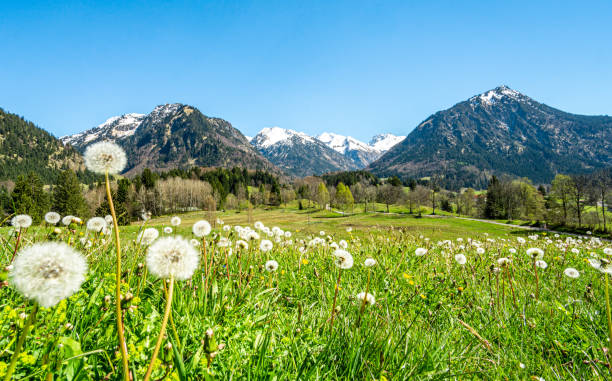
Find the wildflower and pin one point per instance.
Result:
(223, 242)
(287, 234)
(48, 272)
(201, 228)
(52, 218)
(461, 259)
(21, 221)
(369, 262)
(541, 264)
(67, 220)
(321, 233)
(172, 257)
(367, 297)
(521, 240)
(535, 252)
(96, 224)
(109, 219)
(168, 230)
(480, 250)
(265, 245)
(344, 259)
(271, 266)
(503, 261)
(420, 251)
(147, 236)
(175, 221)
(259, 225)
(105, 157)
(571, 272)
(242, 244)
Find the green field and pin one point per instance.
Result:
(433, 318)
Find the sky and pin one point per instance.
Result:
(356, 68)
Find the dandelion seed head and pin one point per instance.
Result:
(52, 218)
(147, 236)
(105, 157)
(266, 245)
(271, 266)
(369, 262)
(343, 259)
(48, 272)
(21, 221)
(172, 257)
(461, 259)
(168, 230)
(535, 252)
(96, 224)
(420, 251)
(541, 264)
(571, 272)
(201, 228)
(369, 298)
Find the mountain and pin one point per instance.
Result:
(500, 132)
(177, 135)
(25, 147)
(115, 128)
(298, 153)
(361, 153)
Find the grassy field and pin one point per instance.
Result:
(433, 317)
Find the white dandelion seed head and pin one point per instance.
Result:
(461, 259)
(241, 244)
(168, 230)
(607, 251)
(223, 242)
(321, 233)
(172, 257)
(96, 224)
(220, 221)
(369, 262)
(147, 236)
(48, 272)
(480, 250)
(175, 221)
(367, 297)
(77, 220)
(271, 266)
(521, 240)
(105, 157)
(109, 219)
(349, 229)
(541, 264)
(535, 252)
(420, 251)
(227, 228)
(571, 272)
(343, 259)
(201, 228)
(575, 250)
(343, 244)
(52, 218)
(287, 234)
(21, 221)
(67, 220)
(259, 225)
(252, 236)
(512, 250)
(334, 245)
(266, 245)
(194, 242)
(503, 261)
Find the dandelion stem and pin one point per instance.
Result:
(162, 331)
(535, 270)
(26, 329)
(122, 344)
(333, 310)
(16, 245)
(609, 315)
(365, 297)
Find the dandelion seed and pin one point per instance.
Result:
(21, 221)
(172, 257)
(52, 218)
(343, 259)
(419, 252)
(271, 266)
(369, 262)
(96, 224)
(367, 297)
(105, 157)
(147, 236)
(201, 228)
(461, 259)
(48, 272)
(266, 245)
(571, 272)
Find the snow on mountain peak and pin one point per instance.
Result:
(341, 143)
(384, 142)
(272, 135)
(490, 97)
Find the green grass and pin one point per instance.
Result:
(433, 318)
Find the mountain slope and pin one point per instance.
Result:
(504, 132)
(298, 153)
(25, 147)
(177, 135)
(361, 153)
(117, 127)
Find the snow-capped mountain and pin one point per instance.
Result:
(299, 154)
(361, 153)
(115, 128)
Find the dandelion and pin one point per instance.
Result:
(67, 220)
(147, 236)
(223, 242)
(175, 221)
(535, 252)
(287, 234)
(541, 264)
(96, 224)
(461, 259)
(521, 240)
(52, 218)
(168, 230)
(343, 259)
(194, 242)
(366, 298)
(227, 228)
(266, 245)
(369, 262)
(571, 272)
(321, 233)
(240, 244)
(109, 219)
(201, 228)
(343, 244)
(419, 252)
(271, 266)
(105, 158)
(349, 229)
(607, 251)
(480, 250)
(172, 257)
(21, 221)
(258, 225)
(503, 261)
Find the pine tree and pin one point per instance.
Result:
(67, 195)
(29, 197)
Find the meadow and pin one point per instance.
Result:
(449, 299)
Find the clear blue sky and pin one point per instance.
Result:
(350, 67)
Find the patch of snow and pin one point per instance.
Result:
(269, 136)
(342, 144)
(384, 142)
